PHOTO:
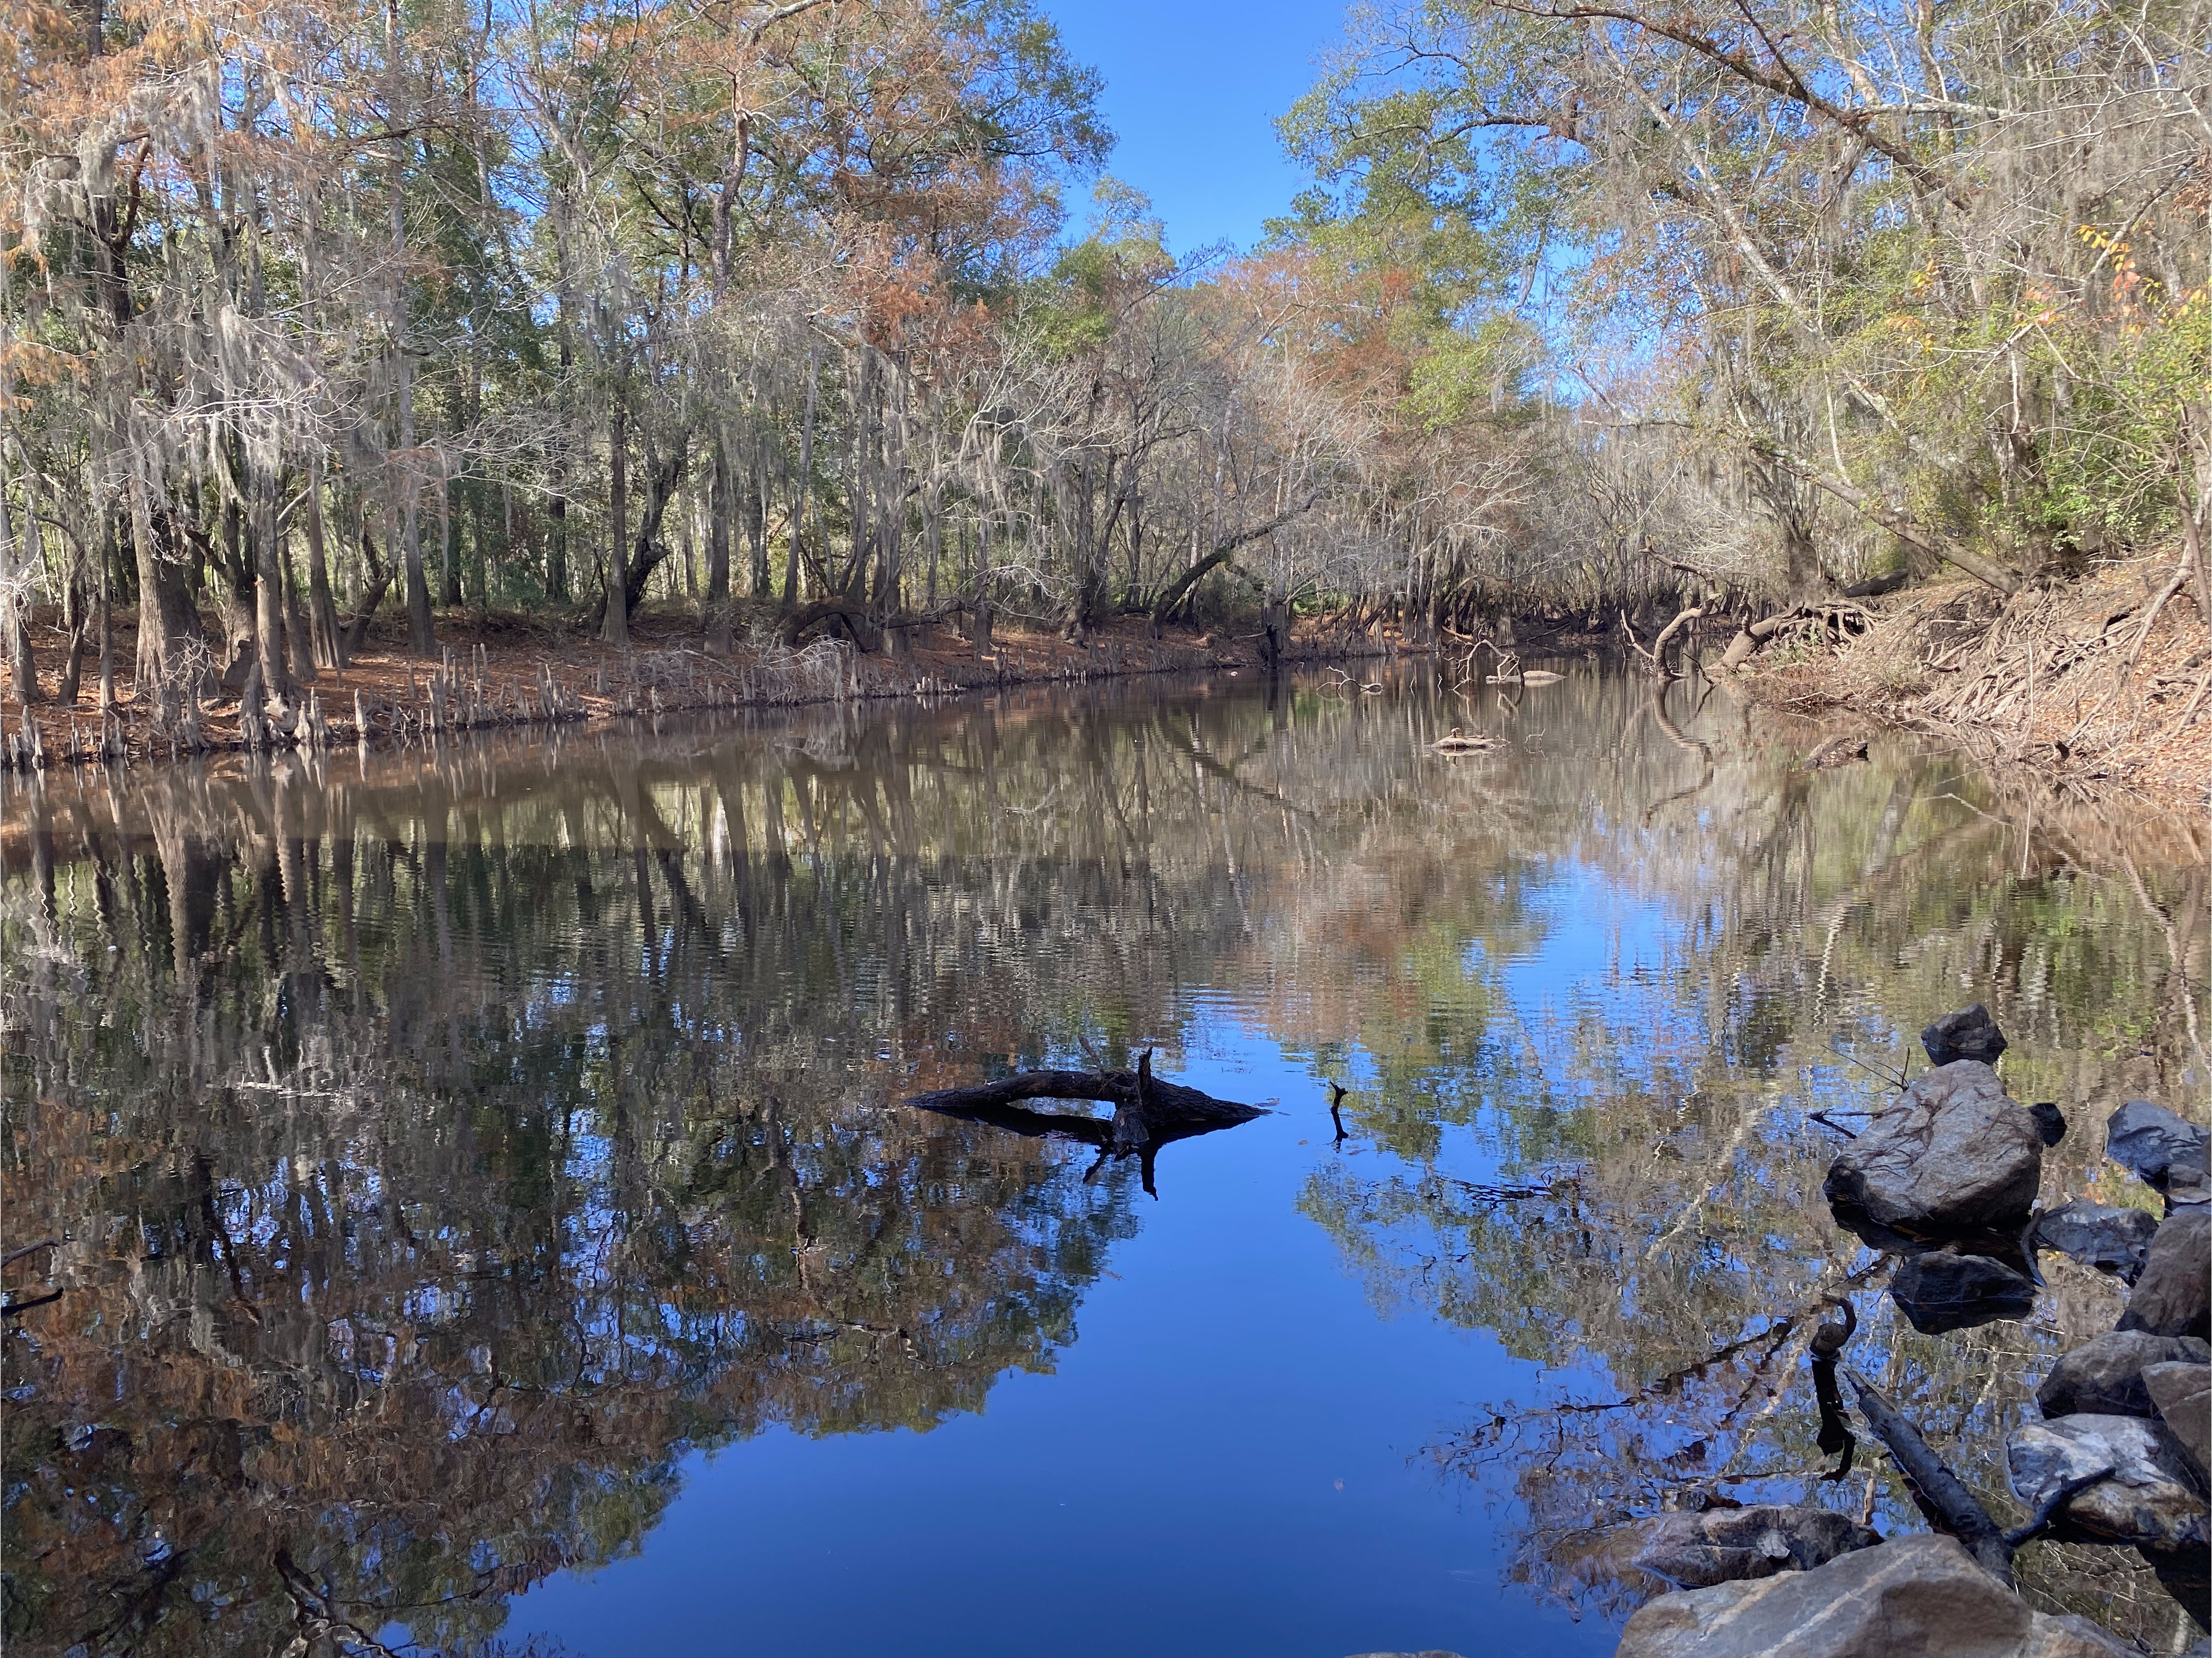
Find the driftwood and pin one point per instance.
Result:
(1148, 1114)
(1945, 1499)
(1837, 618)
(1941, 1494)
(1655, 657)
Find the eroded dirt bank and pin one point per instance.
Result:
(505, 671)
(2099, 685)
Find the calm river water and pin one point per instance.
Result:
(483, 1213)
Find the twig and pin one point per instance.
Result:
(2048, 1509)
(15, 1255)
(1872, 1070)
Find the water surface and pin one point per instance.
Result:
(483, 1211)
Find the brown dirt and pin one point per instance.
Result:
(666, 669)
(2038, 683)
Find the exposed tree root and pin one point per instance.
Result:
(2098, 685)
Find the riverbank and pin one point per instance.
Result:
(506, 671)
(2098, 685)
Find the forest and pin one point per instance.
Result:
(322, 318)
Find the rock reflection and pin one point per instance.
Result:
(1678, 1294)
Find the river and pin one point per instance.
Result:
(484, 1214)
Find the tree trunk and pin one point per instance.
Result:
(756, 514)
(322, 608)
(614, 628)
(16, 607)
(268, 587)
(646, 548)
(557, 539)
(299, 646)
(168, 620)
(805, 476)
(379, 581)
(106, 615)
(449, 578)
(1223, 551)
(718, 549)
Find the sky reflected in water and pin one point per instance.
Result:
(484, 1214)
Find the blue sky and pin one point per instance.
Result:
(1193, 90)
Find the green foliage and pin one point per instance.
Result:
(1990, 316)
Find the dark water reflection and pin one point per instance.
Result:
(443, 1156)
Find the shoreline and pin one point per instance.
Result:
(2067, 687)
(2095, 688)
(513, 674)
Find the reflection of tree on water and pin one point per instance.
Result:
(444, 1152)
(1677, 1283)
(436, 1177)
(446, 1148)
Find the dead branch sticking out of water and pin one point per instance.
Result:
(1941, 1494)
(1148, 1114)
(1655, 659)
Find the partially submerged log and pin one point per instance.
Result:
(1942, 1496)
(1148, 1114)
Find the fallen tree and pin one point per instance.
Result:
(1148, 1114)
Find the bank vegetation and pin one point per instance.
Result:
(323, 318)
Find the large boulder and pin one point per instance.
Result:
(1953, 1154)
(1969, 1034)
(1726, 1546)
(2105, 1376)
(2110, 1238)
(1938, 1291)
(2173, 1296)
(2182, 1396)
(1918, 1597)
(2148, 1500)
(2147, 1140)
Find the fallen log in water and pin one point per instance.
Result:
(1148, 1112)
(1942, 1496)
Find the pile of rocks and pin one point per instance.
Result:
(1947, 1177)
(2135, 1403)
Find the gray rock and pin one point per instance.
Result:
(2147, 1500)
(2186, 1184)
(2147, 1140)
(2182, 1396)
(2050, 1121)
(2110, 1238)
(2173, 1296)
(1917, 1597)
(2066, 1636)
(1726, 1545)
(2106, 1376)
(1953, 1153)
(1939, 1291)
(1969, 1034)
